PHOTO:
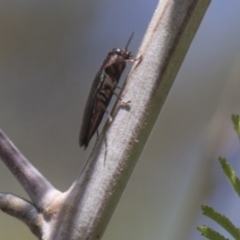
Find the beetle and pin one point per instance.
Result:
(103, 87)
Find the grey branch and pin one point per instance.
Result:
(84, 211)
(37, 187)
(23, 210)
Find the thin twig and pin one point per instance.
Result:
(37, 187)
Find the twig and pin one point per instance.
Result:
(37, 187)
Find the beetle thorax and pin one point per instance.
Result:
(123, 53)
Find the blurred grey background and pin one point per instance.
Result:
(50, 52)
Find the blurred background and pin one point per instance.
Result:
(50, 52)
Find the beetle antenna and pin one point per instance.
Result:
(129, 40)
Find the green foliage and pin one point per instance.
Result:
(231, 175)
(210, 233)
(222, 220)
(236, 123)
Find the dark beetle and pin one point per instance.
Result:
(101, 92)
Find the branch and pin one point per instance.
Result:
(98, 189)
(23, 210)
(37, 187)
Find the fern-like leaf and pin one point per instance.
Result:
(210, 233)
(222, 221)
(210, 212)
(236, 123)
(231, 175)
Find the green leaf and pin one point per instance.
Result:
(210, 233)
(236, 123)
(231, 175)
(222, 221)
